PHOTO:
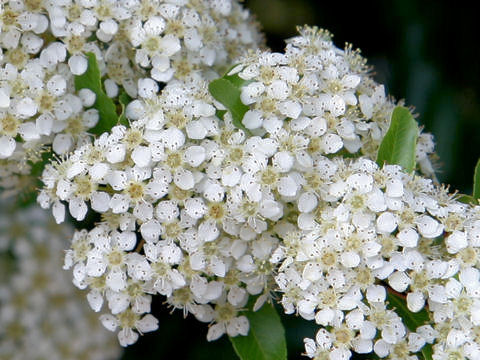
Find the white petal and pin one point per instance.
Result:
(376, 293)
(95, 300)
(361, 182)
(4, 98)
(118, 302)
(143, 211)
(58, 210)
(408, 238)
(194, 155)
(238, 326)
(399, 281)
(429, 227)
(208, 231)
(126, 240)
(151, 230)
(173, 138)
(278, 90)
(394, 188)
(271, 209)
(147, 324)
(100, 201)
(291, 109)
(331, 143)
(195, 130)
(195, 207)
(116, 280)
(141, 156)
(287, 186)
(78, 64)
(62, 143)
(231, 175)
(252, 119)
(127, 336)
(98, 171)
(184, 179)
(147, 88)
(116, 153)
(456, 241)
(307, 202)
(350, 259)
(119, 203)
(77, 208)
(215, 331)
(415, 301)
(156, 189)
(283, 161)
(386, 223)
(110, 322)
(28, 131)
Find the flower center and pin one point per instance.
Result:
(115, 258)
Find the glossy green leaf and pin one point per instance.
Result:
(228, 94)
(476, 181)
(399, 144)
(92, 80)
(266, 338)
(411, 320)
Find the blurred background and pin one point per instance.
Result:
(425, 52)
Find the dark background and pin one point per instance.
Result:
(425, 52)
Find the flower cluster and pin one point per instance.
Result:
(41, 315)
(321, 93)
(163, 177)
(203, 213)
(140, 44)
(366, 231)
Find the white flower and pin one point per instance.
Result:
(229, 323)
(128, 321)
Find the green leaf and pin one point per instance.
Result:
(124, 100)
(427, 352)
(265, 339)
(411, 320)
(92, 80)
(399, 144)
(220, 113)
(476, 181)
(466, 199)
(228, 94)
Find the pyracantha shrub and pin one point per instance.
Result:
(291, 178)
